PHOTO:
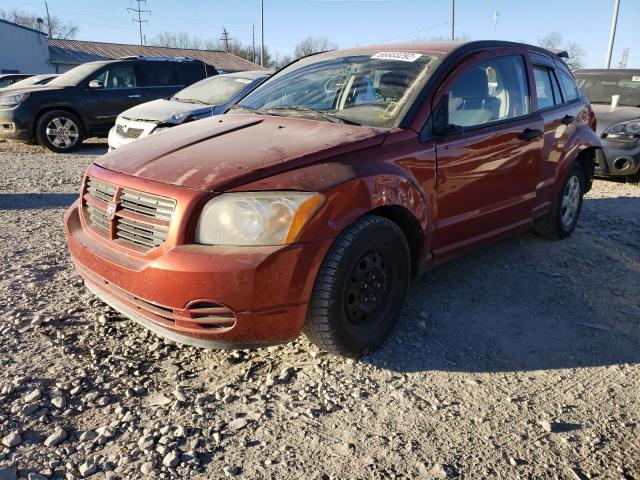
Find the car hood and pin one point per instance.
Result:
(32, 88)
(166, 111)
(222, 152)
(607, 117)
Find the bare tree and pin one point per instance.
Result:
(57, 28)
(311, 44)
(184, 40)
(576, 53)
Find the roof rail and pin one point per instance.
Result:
(160, 59)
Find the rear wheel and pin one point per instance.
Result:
(562, 217)
(59, 131)
(360, 288)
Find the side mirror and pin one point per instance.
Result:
(95, 84)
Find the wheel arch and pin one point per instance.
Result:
(64, 108)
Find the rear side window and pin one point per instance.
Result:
(568, 86)
(547, 91)
(158, 74)
(495, 89)
(196, 71)
(557, 94)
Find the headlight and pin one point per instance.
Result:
(256, 218)
(624, 131)
(13, 99)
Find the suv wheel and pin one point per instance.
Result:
(59, 131)
(562, 217)
(360, 288)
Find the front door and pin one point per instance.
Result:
(488, 154)
(113, 90)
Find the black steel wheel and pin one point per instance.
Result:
(360, 288)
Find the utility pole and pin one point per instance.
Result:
(225, 39)
(612, 33)
(625, 58)
(453, 20)
(48, 19)
(139, 11)
(496, 14)
(262, 32)
(253, 41)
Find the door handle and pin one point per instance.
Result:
(568, 119)
(529, 134)
(135, 96)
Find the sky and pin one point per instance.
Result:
(358, 22)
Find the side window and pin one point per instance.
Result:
(117, 76)
(544, 88)
(495, 89)
(158, 74)
(568, 86)
(557, 94)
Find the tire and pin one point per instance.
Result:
(59, 131)
(359, 292)
(561, 219)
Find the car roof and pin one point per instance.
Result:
(447, 47)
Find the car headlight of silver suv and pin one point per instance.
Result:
(624, 131)
(13, 99)
(256, 218)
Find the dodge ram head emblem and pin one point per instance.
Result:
(111, 210)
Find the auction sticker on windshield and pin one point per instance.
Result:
(401, 56)
(635, 78)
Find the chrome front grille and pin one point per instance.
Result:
(128, 132)
(98, 218)
(141, 233)
(140, 220)
(100, 190)
(149, 205)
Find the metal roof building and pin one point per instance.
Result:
(26, 50)
(22, 49)
(66, 54)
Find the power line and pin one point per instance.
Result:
(139, 11)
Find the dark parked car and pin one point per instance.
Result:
(615, 98)
(8, 79)
(206, 98)
(29, 81)
(314, 201)
(85, 101)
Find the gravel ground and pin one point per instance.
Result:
(517, 361)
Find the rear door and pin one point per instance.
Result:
(488, 153)
(118, 91)
(557, 102)
(159, 79)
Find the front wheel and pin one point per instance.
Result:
(562, 217)
(358, 294)
(59, 131)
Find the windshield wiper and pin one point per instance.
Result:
(188, 100)
(318, 113)
(248, 109)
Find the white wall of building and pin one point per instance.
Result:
(23, 50)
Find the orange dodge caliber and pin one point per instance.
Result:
(314, 201)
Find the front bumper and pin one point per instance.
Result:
(264, 290)
(142, 129)
(14, 127)
(618, 158)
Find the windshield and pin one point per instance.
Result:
(76, 75)
(35, 80)
(212, 91)
(372, 88)
(599, 87)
